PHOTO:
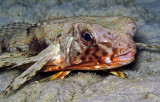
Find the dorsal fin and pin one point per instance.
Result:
(15, 27)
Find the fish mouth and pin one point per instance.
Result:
(119, 60)
(124, 58)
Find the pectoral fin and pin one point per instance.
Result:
(117, 73)
(44, 57)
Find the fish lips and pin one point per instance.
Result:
(120, 60)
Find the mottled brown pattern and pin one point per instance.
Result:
(60, 44)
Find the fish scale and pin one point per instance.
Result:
(61, 45)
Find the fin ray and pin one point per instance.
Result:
(117, 73)
(45, 56)
(58, 75)
(16, 59)
(13, 28)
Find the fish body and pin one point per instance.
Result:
(66, 44)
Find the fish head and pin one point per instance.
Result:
(97, 47)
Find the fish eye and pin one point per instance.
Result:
(87, 38)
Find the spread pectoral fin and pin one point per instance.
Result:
(45, 56)
(16, 59)
(27, 75)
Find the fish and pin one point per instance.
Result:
(64, 44)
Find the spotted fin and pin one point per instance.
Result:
(16, 59)
(44, 57)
